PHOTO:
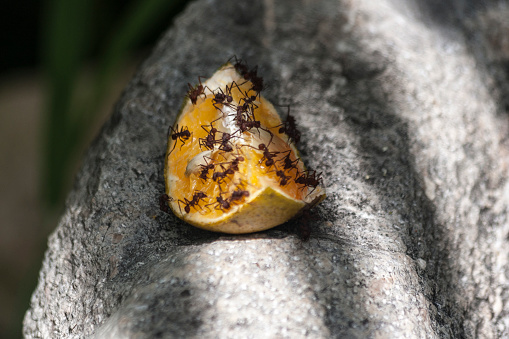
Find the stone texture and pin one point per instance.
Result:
(402, 105)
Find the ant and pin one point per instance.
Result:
(283, 177)
(309, 179)
(210, 139)
(219, 176)
(245, 124)
(220, 98)
(245, 108)
(195, 91)
(290, 128)
(239, 114)
(289, 163)
(240, 65)
(254, 124)
(221, 203)
(205, 169)
(249, 99)
(163, 203)
(249, 74)
(267, 155)
(234, 164)
(252, 75)
(238, 194)
(225, 142)
(193, 202)
(183, 135)
(257, 84)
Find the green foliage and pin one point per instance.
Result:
(67, 42)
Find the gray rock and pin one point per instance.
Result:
(402, 106)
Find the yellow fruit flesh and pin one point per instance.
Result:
(186, 161)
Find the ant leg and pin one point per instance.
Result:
(180, 201)
(271, 136)
(222, 154)
(170, 130)
(174, 145)
(183, 141)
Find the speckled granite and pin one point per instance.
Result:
(400, 108)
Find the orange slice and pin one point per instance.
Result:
(231, 163)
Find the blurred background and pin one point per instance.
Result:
(63, 64)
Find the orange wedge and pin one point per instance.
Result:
(231, 163)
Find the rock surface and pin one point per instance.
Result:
(401, 105)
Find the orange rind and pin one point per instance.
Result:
(231, 163)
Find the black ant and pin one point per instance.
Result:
(225, 142)
(250, 124)
(254, 124)
(249, 99)
(246, 124)
(163, 203)
(283, 177)
(183, 135)
(238, 194)
(239, 114)
(309, 179)
(210, 139)
(267, 155)
(205, 169)
(221, 203)
(222, 98)
(257, 84)
(257, 81)
(234, 164)
(240, 65)
(249, 74)
(224, 204)
(193, 202)
(289, 163)
(290, 128)
(195, 91)
(219, 176)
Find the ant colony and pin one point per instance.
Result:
(228, 144)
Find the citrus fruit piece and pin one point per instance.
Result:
(231, 163)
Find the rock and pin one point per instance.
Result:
(400, 105)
